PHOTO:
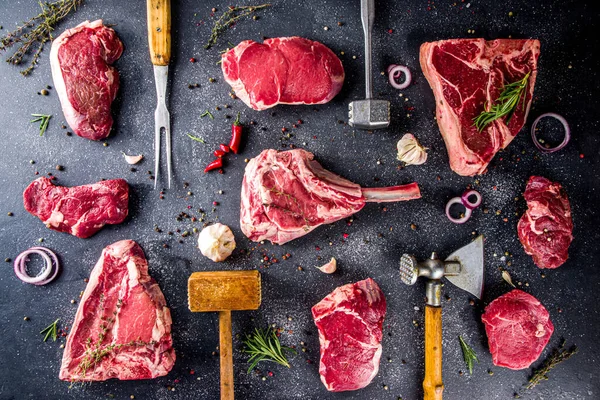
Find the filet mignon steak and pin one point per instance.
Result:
(350, 323)
(79, 210)
(518, 328)
(287, 194)
(467, 77)
(546, 228)
(122, 328)
(84, 78)
(286, 70)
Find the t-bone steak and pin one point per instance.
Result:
(467, 77)
(287, 194)
(518, 328)
(350, 323)
(80, 210)
(122, 328)
(287, 70)
(546, 228)
(84, 78)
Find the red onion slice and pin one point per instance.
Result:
(394, 72)
(565, 125)
(44, 277)
(467, 203)
(463, 219)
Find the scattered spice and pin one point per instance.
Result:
(231, 15)
(196, 138)
(205, 113)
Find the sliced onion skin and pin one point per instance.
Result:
(49, 272)
(465, 199)
(465, 218)
(565, 125)
(394, 73)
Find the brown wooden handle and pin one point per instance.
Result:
(226, 355)
(432, 384)
(159, 31)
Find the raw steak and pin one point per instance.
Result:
(287, 70)
(287, 194)
(467, 76)
(518, 328)
(79, 210)
(84, 79)
(350, 323)
(122, 328)
(546, 228)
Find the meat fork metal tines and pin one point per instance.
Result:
(159, 41)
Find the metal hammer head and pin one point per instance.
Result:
(369, 114)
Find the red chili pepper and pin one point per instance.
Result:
(219, 153)
(236, 135)
(224, 148)
(218, 163)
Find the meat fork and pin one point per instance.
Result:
(159, 41)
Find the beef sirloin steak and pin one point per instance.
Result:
(122, 328)
(350, 323)
(467, 76)
(286, 70)
(518, 328)
(84, 78)
(546, 228)
(80, 210)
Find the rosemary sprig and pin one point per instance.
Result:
(43, 119)
(505, 105)
(196, 138)
(557, 356)
(51, 331)
(207, 113)
(231, 15)
(468, 354)
(263, 345)
(36, 32)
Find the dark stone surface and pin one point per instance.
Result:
(567, 83)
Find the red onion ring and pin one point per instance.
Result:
(465, 199)
(463, 219)
(44, 277)
(565, 125)
(394, 72)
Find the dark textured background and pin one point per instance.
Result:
(567, 83)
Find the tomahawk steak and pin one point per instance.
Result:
(546, 228)
(518, 328)
(350, 323)
(122, 328)
(467, 77)
(79, 210)
(287, 194)
(287, 70)
(84, 78)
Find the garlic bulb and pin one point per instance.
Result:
(216, 242)
(330, 267)
(410, 150)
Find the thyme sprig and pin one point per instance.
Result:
(290, 198)
(231, 15)
(35, 32)
(43, 119)
(263, 345)
(207, 113)
(468, 354)
(557, 356)
(196, 138)
(51, 331)
(505, 105)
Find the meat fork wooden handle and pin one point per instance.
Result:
(432, 384)
(159, 31)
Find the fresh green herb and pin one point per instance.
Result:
(263, 345)
(36, 32)
(557, 356)
(231, 15)
(43, 120)
(196, 138)
(468, 354)
(51, 331)
(505, 105)
(205, 113)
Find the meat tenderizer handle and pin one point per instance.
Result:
(225, 350)
(367, 16)
(159, 31)
(432, 384)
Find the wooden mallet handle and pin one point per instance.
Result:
(159, 31)
(225, 350)
(432, 384)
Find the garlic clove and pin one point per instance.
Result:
(330, 267)
(133, 159)
(410, 151)
(216, 242)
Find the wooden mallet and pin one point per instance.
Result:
(224, 291)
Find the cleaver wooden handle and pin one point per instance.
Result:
(225, 350)
(159, 31)
(432, 384)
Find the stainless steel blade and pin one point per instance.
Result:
(162, 120)
(470, 258)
